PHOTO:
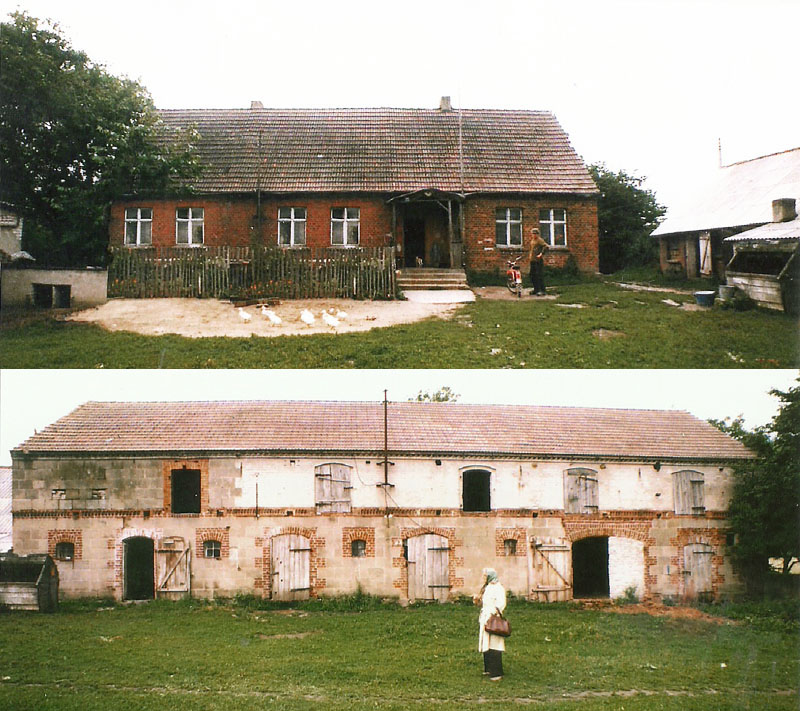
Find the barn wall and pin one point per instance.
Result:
(635, 512)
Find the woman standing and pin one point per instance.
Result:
(492, 598)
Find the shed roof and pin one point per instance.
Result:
(382, 150)
(782, 231)
(740, 195)
(413, 428)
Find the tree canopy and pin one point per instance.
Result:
(764, 511)
(74, 138)
(443, 394)
(626, 213)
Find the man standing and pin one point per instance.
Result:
(536, 256)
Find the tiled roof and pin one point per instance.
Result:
(443, 428)
(382, 150)
(740, 195)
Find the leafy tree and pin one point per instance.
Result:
(764, 511)
(627, 214)
(444, 394)
(74, 138)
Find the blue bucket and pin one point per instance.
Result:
(705, 298)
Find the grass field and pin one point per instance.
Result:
(616, 328)
(365, 655)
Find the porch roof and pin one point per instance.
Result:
(414, 428)
(382, 150)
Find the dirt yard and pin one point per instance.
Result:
(202, 318)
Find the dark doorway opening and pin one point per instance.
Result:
(185, 491)
(138, 566)
(476, 495)
(414, 240)
(590, 567)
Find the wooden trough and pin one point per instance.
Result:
(28, 582)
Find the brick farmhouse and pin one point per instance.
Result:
(290, 500)
(447, 188)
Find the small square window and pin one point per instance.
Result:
(212, 549)
(510, 546)
(65, 550)
(59, 494)
(358, 548)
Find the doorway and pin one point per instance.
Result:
(185, 491)
(428, 560)
(590, 567)
(138, 569)
(476, 491)
(414, 238)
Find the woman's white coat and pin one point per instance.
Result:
(493, 600)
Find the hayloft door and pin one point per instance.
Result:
(173, 568)
(697, 570)
(291, 567)
(428, 567)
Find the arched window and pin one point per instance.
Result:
(358, 548)
(476, 491)
(510, 546)
(212, 549)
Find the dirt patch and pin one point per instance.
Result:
(501, 293)
(203, 318)
(656, 609)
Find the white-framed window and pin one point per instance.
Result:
(688, 489)
(345, 226)
(508, 227)
(189, 225)
(212, 549)
(138, 226)
(553, 226)
(580, 490)
(291, 226)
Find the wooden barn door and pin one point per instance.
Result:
(173, 568)
(551, 577)
(697, 570)
(291, 567)
(428, 567)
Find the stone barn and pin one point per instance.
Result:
(291, 500)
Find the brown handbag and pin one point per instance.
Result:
(499, 625)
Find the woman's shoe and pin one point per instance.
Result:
(496, 678)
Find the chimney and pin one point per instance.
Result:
(783, 209)
(256, 105)
(445, 105)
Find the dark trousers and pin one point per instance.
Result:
(537, 276)
(493, 662)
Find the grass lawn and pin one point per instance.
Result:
(615, 328)
(198, 655)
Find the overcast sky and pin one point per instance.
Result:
(32, 399)
(648, 86)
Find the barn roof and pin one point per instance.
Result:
(740, 195)
(413, 428)
(382, 150)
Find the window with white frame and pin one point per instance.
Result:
(553, 226)
(508, 226)
(212, 549)
(291, 226)
(138, 226)
(189, 225)
(345, 226)
(580, 490)
(688, 489)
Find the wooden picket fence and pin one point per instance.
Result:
(252, 272)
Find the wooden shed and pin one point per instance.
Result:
(28, 582)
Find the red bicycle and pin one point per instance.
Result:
(514, 277)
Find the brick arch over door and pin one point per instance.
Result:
(577, 530)
(315, 562)
(453, 563)
(118, 545)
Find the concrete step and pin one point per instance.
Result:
(423, 278)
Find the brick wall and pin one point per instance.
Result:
(74, 536)
(483, 255)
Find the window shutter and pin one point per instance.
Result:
(332, 484)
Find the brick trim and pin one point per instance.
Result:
(264, 583)
(73, 536)
(454, 561)
(201, 535)
(169, 465)
(355, 534)
(714, 537)
(501, 535)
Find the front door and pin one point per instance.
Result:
(414, 241)
(697, 570)
(291, 567)
(428, 567)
